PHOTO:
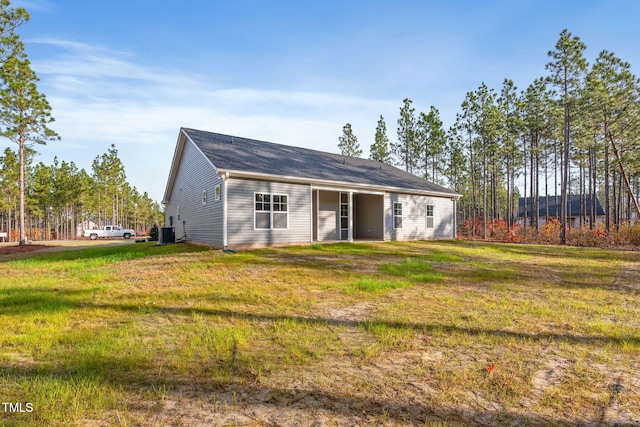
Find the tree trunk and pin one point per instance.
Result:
(565, 176)
(23, 235)
(625, 177)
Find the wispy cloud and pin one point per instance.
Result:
(101, 96)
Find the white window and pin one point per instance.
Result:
(429, 216)
(271, 211)
(204, 197)
(218, 192)
(397, 215)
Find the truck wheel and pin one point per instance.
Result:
(126, 235)
(93, 236)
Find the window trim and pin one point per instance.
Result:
(271, 211)
(204, 197)
(218, 192)
(395, 209)
(427, 216)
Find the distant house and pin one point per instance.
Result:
(574, 215)
(229, 191)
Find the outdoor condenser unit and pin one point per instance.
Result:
(167, 235)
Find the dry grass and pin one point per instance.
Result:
(435, 333)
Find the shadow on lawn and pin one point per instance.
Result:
(241, 396)
(419, 327)
(242, 391)
(571, 252)
(118, 252)
(45, 300)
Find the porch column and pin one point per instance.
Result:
(318, 215)
(455, 219)
(350, 216)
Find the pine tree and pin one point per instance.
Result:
(406, 149)
(508, 105)
(380, 148)
(348, 142)
(10, 20)
(108, 179)
(431, 138)
(613, 92)
(24, 117)
(9, 189)
(567, 69)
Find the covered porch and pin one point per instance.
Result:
(346, 215)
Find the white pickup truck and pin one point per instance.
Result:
(109, 231)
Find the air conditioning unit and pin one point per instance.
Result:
(167, 235)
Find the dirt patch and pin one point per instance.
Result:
(15, 249)
(552, 373)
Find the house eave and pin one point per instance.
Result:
(334, 184)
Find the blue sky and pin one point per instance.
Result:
(131, 73)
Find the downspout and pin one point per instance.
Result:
(225, 180)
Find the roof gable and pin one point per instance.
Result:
(230, 153)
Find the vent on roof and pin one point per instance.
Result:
(232, 140)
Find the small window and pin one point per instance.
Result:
(218, 192)
(397, 215)
(204, 197)
(263, 211)
(429, 216)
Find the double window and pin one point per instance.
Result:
(271, 211)
(397, 215)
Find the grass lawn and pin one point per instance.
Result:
(435, 333)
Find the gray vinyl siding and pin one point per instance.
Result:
(369, 216)
(329, 216)
(241, 206)
(414, 223)
(201, 223)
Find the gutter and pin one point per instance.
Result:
(350, 185)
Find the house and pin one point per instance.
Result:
(226, 191)
(574, 214)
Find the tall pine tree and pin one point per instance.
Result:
(567, 70)
(380, 148)
(24, 117)
(406, 149)
(348, 142)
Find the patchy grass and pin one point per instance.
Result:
(436, 333)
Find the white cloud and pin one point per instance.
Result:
(102, 97)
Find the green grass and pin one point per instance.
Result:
(161, 335)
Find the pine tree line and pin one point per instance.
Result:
(63, 200)
(574, 131)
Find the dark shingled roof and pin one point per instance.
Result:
(232, 153)
(554, 210)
